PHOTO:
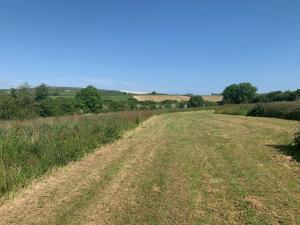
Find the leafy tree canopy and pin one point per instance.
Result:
(41, 92)
(239, 93)
(195, 101)
(90, 99)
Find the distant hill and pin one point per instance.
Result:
(114, 95)
(71, 92)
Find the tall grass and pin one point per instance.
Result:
(28, 149)
(283, 110)
(241, 109)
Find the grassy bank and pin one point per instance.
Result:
(282, 110)
(28, 149)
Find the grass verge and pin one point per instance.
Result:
(30, 148)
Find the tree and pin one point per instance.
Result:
(41, 92)
(195, 101)
(24, 100)
(7, 107)
(89, 99)
(57, 107)
(239, 93)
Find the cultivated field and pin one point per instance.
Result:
(160, 98)
(212, 98)
(179, 168)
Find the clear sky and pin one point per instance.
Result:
(171, 46)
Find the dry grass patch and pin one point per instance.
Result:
(179, 98)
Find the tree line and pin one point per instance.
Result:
(247, 93)
(25, 102)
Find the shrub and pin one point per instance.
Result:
(19, 103)
(41, 92)
(195, 101)
(8, 107)
(283, 110)
(57, 107)
(90, 99)
(297, 140)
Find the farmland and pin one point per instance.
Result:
(160, 98)
(70, 92)
(178, 168)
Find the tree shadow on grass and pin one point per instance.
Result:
(288, 150)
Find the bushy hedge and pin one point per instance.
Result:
(276, 96)
(283, 110)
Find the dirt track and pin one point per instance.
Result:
(180, 168)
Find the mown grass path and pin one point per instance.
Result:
(180, 168)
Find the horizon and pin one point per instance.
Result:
(137, 92)
(169, 47)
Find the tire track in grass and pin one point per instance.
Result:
(159, 191)
(120, 195)
(87, 209)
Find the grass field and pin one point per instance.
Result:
(179, 168)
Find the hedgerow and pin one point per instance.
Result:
(283, 110)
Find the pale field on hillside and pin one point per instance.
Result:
(160, 98)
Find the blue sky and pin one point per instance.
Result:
(170, 46)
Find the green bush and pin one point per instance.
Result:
(41, 92)
(195, 101)
(283, 110)
(19, 103)
(57, 107)
(90, 100)
(297, 140)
